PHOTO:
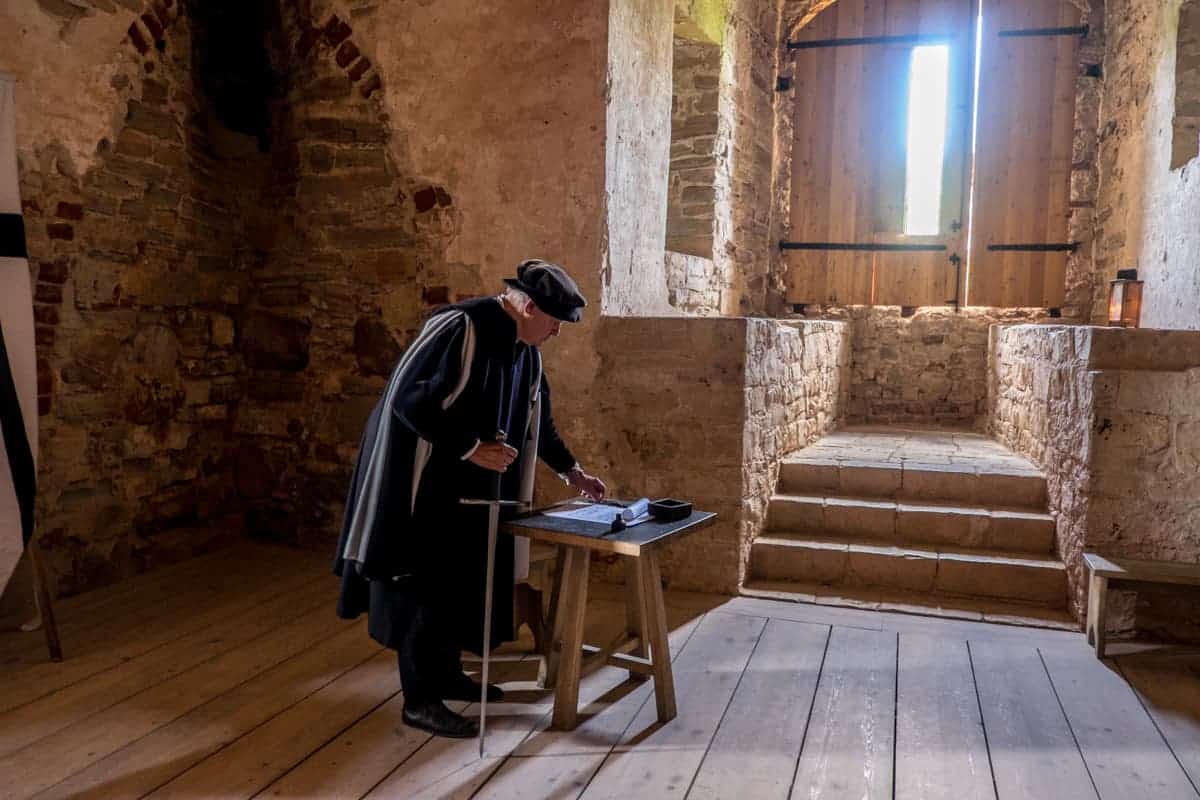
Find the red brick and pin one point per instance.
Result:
(47, 293)
(359, 69)
(43, 406)
(346, 54)
(139, 41)
(53, 271)
(45, 314)
(45, 377)
(336, 31)
(152, 24)
(60, 230)
(436, 295)
(43, 335)
(306, 41)
(69, 211)
(368, 88)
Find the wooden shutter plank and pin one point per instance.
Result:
(1023, 155)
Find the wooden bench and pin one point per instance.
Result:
(1104, 569)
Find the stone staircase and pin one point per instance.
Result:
(922, 521)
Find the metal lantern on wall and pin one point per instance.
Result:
(1125, 300)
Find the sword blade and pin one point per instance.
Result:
(493, 527)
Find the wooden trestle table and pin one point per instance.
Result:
(642, 649)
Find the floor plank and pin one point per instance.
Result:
(941, 752)
(757, 745)
(1126, 755)
(142, 765)
(254, 761)
(659, 760)
(62, 754)
(1169, 686)
(848, 751)
(1033, 752)
(263, 610)
(194, 606)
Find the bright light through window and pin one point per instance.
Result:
(927, 101)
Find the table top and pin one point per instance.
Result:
(597, 536)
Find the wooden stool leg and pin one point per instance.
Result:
(635, 610)
(656, 633)
(45, 606)
(569, 646)
(550, 656)
(1097, 602)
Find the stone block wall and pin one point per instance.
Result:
(355, 260)
(797, 388)
(693, 285)
(139, 250)
(712, 430)
(694, 118)
(927, 368)
(1110, 416)
(1147, 204)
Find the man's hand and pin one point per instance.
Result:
(495, 456)
(589, 486)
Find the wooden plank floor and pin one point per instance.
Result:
(197, 682)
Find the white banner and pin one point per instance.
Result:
(18, 374)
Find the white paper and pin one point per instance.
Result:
(604, 513)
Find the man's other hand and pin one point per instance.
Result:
(495, 456)
(588, 485)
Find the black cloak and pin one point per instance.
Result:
(452, 388)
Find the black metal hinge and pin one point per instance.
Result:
(1065, 247)
(1081, 31)
(861, 40)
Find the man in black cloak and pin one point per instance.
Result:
(466, 414)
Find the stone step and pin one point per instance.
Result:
(928, 604)
(1013, 530)
(970, 573)
(975, 482)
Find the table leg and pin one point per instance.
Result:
(656, 633)
(550, 657)
(569, 643)
(1097, 602)
(635, 609)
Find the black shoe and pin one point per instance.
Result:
(467, 690)
(440, 721)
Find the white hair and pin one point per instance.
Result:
(517, 297)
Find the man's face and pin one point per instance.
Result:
(537, 326)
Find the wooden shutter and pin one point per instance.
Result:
(848, 167)
(1023, 153)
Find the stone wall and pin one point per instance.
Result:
(140, 255)
(354, 258)
(797, 388)
(1185, 144)
(693, 285)
(929, 367)
(694, 103)
(712, 430)
(637, 147)
(1147, 210)
(1117, 441)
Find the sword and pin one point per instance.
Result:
(493, 529)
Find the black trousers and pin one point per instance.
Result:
(427, 651)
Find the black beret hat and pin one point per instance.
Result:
(550, 288)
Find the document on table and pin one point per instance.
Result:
(633, 514)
